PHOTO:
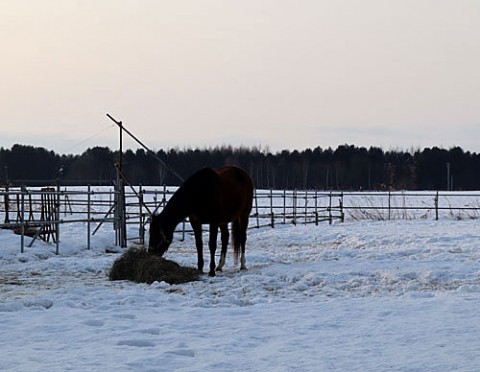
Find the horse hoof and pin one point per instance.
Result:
(211, 273)
(243, 269)
(219, 269)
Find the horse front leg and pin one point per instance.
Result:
(225, 235)
(212, 244)
(197, 231)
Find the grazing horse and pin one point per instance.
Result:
(214, 197)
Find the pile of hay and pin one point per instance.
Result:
(142, 267)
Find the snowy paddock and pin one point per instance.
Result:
(357, 296)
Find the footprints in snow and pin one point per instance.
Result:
(137, 343)
(150, 337)
(181, 349)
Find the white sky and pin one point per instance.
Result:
(287, 74)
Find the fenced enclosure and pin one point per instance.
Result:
(407, 205)
(41, 212)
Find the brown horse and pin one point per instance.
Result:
(214, 197)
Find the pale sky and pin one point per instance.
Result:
(282, 74)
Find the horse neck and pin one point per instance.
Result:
(177, 208)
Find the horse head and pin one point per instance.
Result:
(159, 239)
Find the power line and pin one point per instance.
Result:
(120, 125)
(88, 138)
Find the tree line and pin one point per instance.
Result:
(347, 167)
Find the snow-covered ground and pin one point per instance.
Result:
(357, 296)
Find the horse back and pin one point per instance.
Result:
(222, 195)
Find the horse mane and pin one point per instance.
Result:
(183, 200)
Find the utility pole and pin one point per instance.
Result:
(120, 155)
(120, 218)
(120, 223)
(123, 129)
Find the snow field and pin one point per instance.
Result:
(377, 296)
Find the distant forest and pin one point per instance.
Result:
(346, 168)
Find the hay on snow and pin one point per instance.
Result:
(142, 267)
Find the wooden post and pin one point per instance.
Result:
(294, 202)
(342, 214)
(31, 217)
(184, 226)
(306, 206)
(272, 216)
(256, 209)
(389, 205)
(56, 216)
(123, 217)
(120, 191)
(22, 222)
(88, 216)
(120, 219)
(18, 205)
(7, 204)
(141, 231)
(330, 209)
(164, 200)
(120, 154)
(436, 206)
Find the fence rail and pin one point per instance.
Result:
(40, 212)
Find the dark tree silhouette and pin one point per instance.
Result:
(345, 168)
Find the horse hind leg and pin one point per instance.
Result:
(225, 235)
(212, 244)
(239, 230)
(243, 239)
(243, 242)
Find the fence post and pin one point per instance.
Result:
(389, 204)
(316, 207)
(164, 200)
(65, 202)
(256, 209)
(183, 231)
(7, 204)
(284, 206)
(306, 207)
(31, 217)
(294, 203)
(330, 217)
(18, 205)
(22, 220)
(272, 216)
(436, 206)
(342, 214)
(57, 222)
(122, 218)
(115, 213)
(141, 230)
(88, 216)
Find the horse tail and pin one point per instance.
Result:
(236, 240)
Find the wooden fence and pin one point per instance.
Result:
(40, 212)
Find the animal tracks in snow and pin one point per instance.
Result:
(137, 343)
